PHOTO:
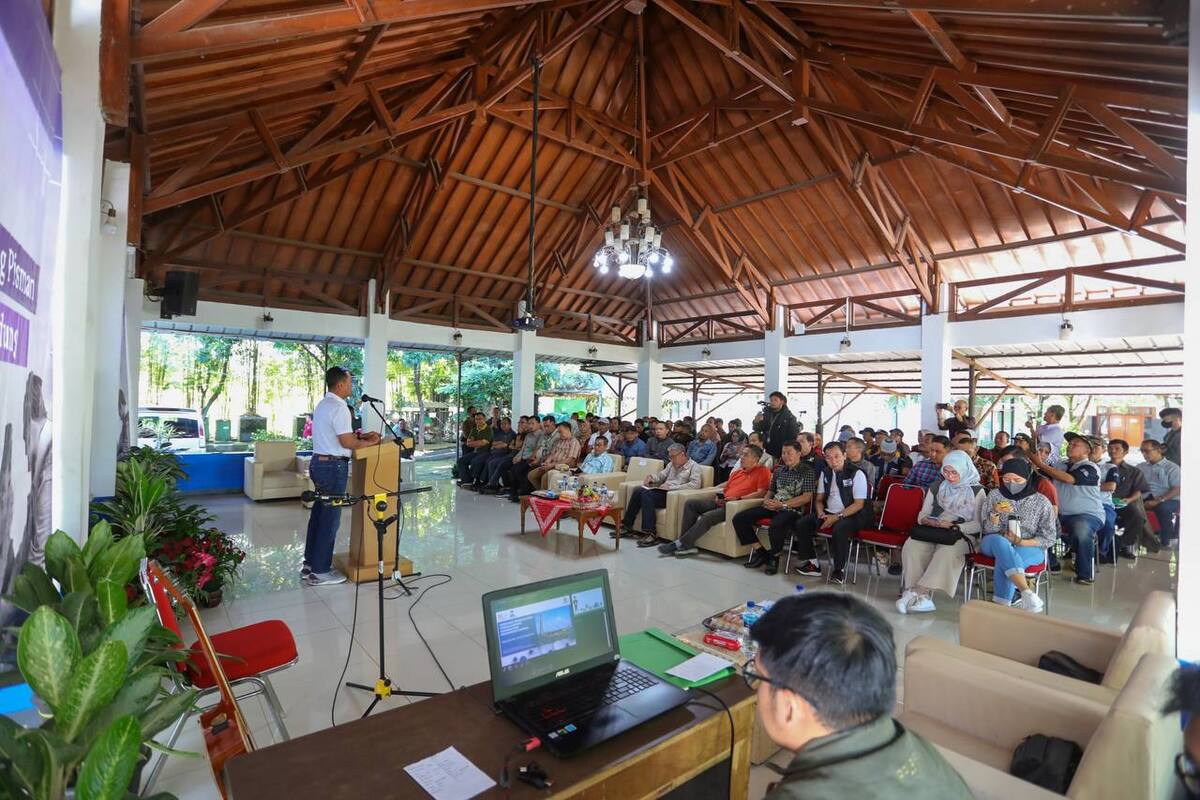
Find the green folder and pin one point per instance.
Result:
(656, 651)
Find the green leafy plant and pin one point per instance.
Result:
(141, 505)
(97, 665)
(270, 436)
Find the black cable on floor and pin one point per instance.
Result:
(729, 714)
(417, 627)
(338, 687)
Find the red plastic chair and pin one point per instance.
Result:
(901, 507)
(981, 565)
(247, 655)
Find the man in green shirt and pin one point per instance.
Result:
(479, 444)
(825, 674)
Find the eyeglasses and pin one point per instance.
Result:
(753, 678)
(1188, 772)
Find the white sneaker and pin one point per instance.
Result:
(905, 600)
(922, 605)
(1001, 601)
(324, 578)
(1032, 603)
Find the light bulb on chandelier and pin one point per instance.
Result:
(632, 244)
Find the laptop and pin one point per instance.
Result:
(556, 668)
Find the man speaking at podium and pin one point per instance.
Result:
(333, 438)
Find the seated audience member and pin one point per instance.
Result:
(682, 434)
(703, 449)
(475, 452)
(598, 460)
(584, 435)
(890, 461)
(897, 436)
(1016, 499)
(574, 423)
(1046, 451)
(989, 476)
(1080, 509)
(926, 471)
(748, 481)
(1162, 476)
(856, 454)
(1184, 698)
(658, 444)
(825, 677)
(1172, 419)
(1044, 485)
(808, 450)
(845, 434)
(999, 442)
(1050, 431)
(629, 445)
(562, 454)
(841, 507)
(501, 455)
(920, 452)
(953, 504)
(599, 428)
(1128, 486)
(1106, 538)
(679, 473)
(876, 443)
(642, 429)
(867, 434)
(735, 424)
(731, 455)
(532, 452)
(755, 438)
(788, 497)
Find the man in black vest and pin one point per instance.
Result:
(842, 507)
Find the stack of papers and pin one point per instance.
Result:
(697, 668)
(448, 775)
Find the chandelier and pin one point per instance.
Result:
(632, 245)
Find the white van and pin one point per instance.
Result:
(186, 425)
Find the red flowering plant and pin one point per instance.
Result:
(203, 563)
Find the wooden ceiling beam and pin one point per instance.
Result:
(322, 21)
(982, 370)
(1146, 11)
(799, 362)
(949, 50)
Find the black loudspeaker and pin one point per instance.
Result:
(179, 295)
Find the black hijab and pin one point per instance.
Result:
(1023, 469)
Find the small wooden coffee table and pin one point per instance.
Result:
(582, 516)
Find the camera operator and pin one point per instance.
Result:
(779, 424)
(956, 424)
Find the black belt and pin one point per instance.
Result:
(323, 457)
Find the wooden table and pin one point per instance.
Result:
(366, 758)
(581, 515)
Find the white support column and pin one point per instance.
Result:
(524, 372)
(775, 358)
(649, 386)
(135, 289)
(107, 313)
(77, 44)
(1188, 599)
(375, 350)
(935, 366)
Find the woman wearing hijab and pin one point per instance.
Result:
(933, 555)
(1017, 547)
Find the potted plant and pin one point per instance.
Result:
(97, 667)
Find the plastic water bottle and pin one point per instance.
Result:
(749, 617)
(575, 484)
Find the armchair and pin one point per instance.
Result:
(668, 519)
(720, 538)
(274, 472)
(609, 479)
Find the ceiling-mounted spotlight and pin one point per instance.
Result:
(592, 351)
(108, 217)
(706, 352)
(845, 344)
(457, 337)
(1065, 329)
(266, 320)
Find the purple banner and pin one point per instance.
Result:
(18, 272)
(14, 337)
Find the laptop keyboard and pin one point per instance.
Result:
(582, 701)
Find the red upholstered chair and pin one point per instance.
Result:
(247, 655)
(901, 507)
(980, 565)
(885, 483)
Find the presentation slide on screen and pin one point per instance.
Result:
(535, 629)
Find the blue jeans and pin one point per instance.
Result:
(323, 521)
(498, 464)
(1108, 532)
(1168, 520)
(1079, 531)
(1009, 560)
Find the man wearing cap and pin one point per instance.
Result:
(1172, 420)
(890, 461)
(1080, 507)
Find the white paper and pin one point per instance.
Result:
(697, 668)
(448, 775)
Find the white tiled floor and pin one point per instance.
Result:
(475, 540)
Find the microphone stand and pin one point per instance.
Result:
(383, 684)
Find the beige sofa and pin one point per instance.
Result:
(667, 519)
(274, 472)
(982, 714)
(719, 538)
(610, 479)
(1011, 640)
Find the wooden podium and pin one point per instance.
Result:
(372, 470)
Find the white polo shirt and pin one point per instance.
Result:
(331, 418)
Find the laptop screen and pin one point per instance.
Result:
(544, 631)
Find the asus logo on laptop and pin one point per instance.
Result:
(562, 672)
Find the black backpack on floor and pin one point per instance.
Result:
(1046, 761)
